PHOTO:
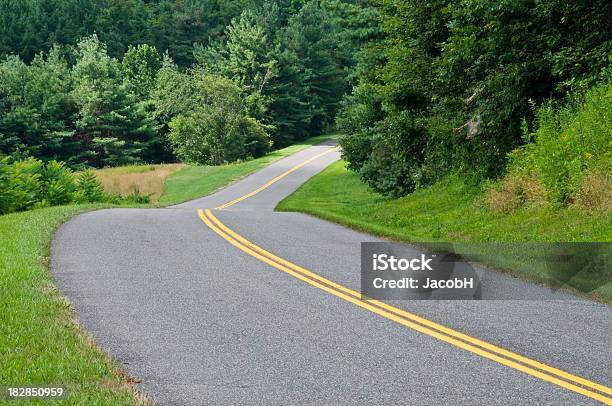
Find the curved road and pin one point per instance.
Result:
(244, 305)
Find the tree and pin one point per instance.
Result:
(139, 67)
(250, 62)
(449, 85)
(109, 100)
(178, 25)
(245, 57)
(311, 36)
(120, 23)
(36, 108)
(112, 131)
(248, 49)
(218, 129)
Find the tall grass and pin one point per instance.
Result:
(568, 157)
(147, 180)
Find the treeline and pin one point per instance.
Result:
(274, 74)
(433, 87)
(450, 85)
(86, 114)
(28, 27)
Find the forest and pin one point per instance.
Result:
(419, 90)
(454, 86)
(119, 90)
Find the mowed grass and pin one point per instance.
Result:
(146, 180)
(452, 211)
(196, 181)
(40, 341)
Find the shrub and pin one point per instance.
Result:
(356, 149)
(90, 189)
(358, 113)
(570, 139)
(29, 183)
(568, 155)
(391, 167)
(58, 186)
(465, 71)
(24, 186)
(20, 184)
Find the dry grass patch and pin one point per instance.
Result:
(516, 190)
(595, 191)
(142, 179)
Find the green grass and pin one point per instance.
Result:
(40, 342)
(196, 181)
(452, 211)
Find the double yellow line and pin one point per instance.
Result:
(487, 350)
(484, 349)
(276, 179)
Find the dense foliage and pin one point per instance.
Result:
(568, 157)
(31, 26)
(31, 183)
(216, 127)
(448, 84)
(203, 81)
(84, 114)
(434, 87)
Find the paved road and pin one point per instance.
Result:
(201, 321)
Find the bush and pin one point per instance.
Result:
(391, 167)
(357, 114)
(571, 139)
(568, 157)
(58, 186)
(29, 183)
(90, 189)
(20, 184)
(464, 72)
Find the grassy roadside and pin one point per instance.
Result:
(452, 211)
(167, 184)
(195, 181)
(40, 340)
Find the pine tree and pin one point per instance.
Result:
(111, 128)
(312, 36)
(36, 109)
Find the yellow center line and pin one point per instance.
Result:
(425, 326)
(276, 179)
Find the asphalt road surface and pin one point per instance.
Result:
(218, 307)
